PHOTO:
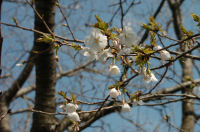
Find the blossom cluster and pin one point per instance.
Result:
(71, 111)
(101, 46)
(100, 49)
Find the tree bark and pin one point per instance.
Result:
(45, 69)
(188, 116)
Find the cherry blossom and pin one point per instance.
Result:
(91, 54)
(148, 76)
(126, 107)
(74, 116)
(71, 107)
(165, 55)
(19, 65)
(96, 40)
(127, 37)
(157, 47)
(114, 69)
(114, 93)
(105, 54)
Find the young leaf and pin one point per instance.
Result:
(76, 47)
(61, 93)
(195, 17)
(73, 98)
(46, 39)
(98, 18)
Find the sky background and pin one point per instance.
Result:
(17, 44)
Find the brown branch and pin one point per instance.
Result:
(145, 35)
(40, 17)
(39, 32)
(65, 18)
(159, 80)
(18, 83)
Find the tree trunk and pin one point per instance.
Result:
(4, 120)
(188, 116)
(45, 70)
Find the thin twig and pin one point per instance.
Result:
(65, 18)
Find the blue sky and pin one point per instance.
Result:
(17, 43)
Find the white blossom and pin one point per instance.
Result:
(140, 102)
(142, 70)
(91, 54)
(104, 55)
(74, 116)
(126, 107)
(61, 106)
(114, 69)
(71, 107)
(148, 77)
(127, 37)
(165, 55)
(96, 40)
(125, 51)
(19, 65)
(114, 93)
(116, 44)
(136, 102)
(157, 47)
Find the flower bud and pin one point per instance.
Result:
(19, 65)
(157, 47)
(114, 69)
(126, 107)
(114, 93)
(165, 55)
(71, 107)
(74, 116)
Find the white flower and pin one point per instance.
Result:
(96, 40)
(104, 55)
(142, 70)
(125, 51)
(61, 106)
(19, 65)
(74, 116)
(114, 93)
(71, 107)
(165, 55)
(127, 37)
(148, 77)
(157, 47)
(91, 54)
(114, 69)
(126, 107)
(116, 44)
(140, 102)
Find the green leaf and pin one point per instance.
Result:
(148, 50)
(46, 39)
(15, 20)
(61, 93)
(145, 26)
(101, 25)
(73, 98)
(182, 28)
(98, 18)
(76, 47)
(152, 38)
(195, 17)
(112, 86)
